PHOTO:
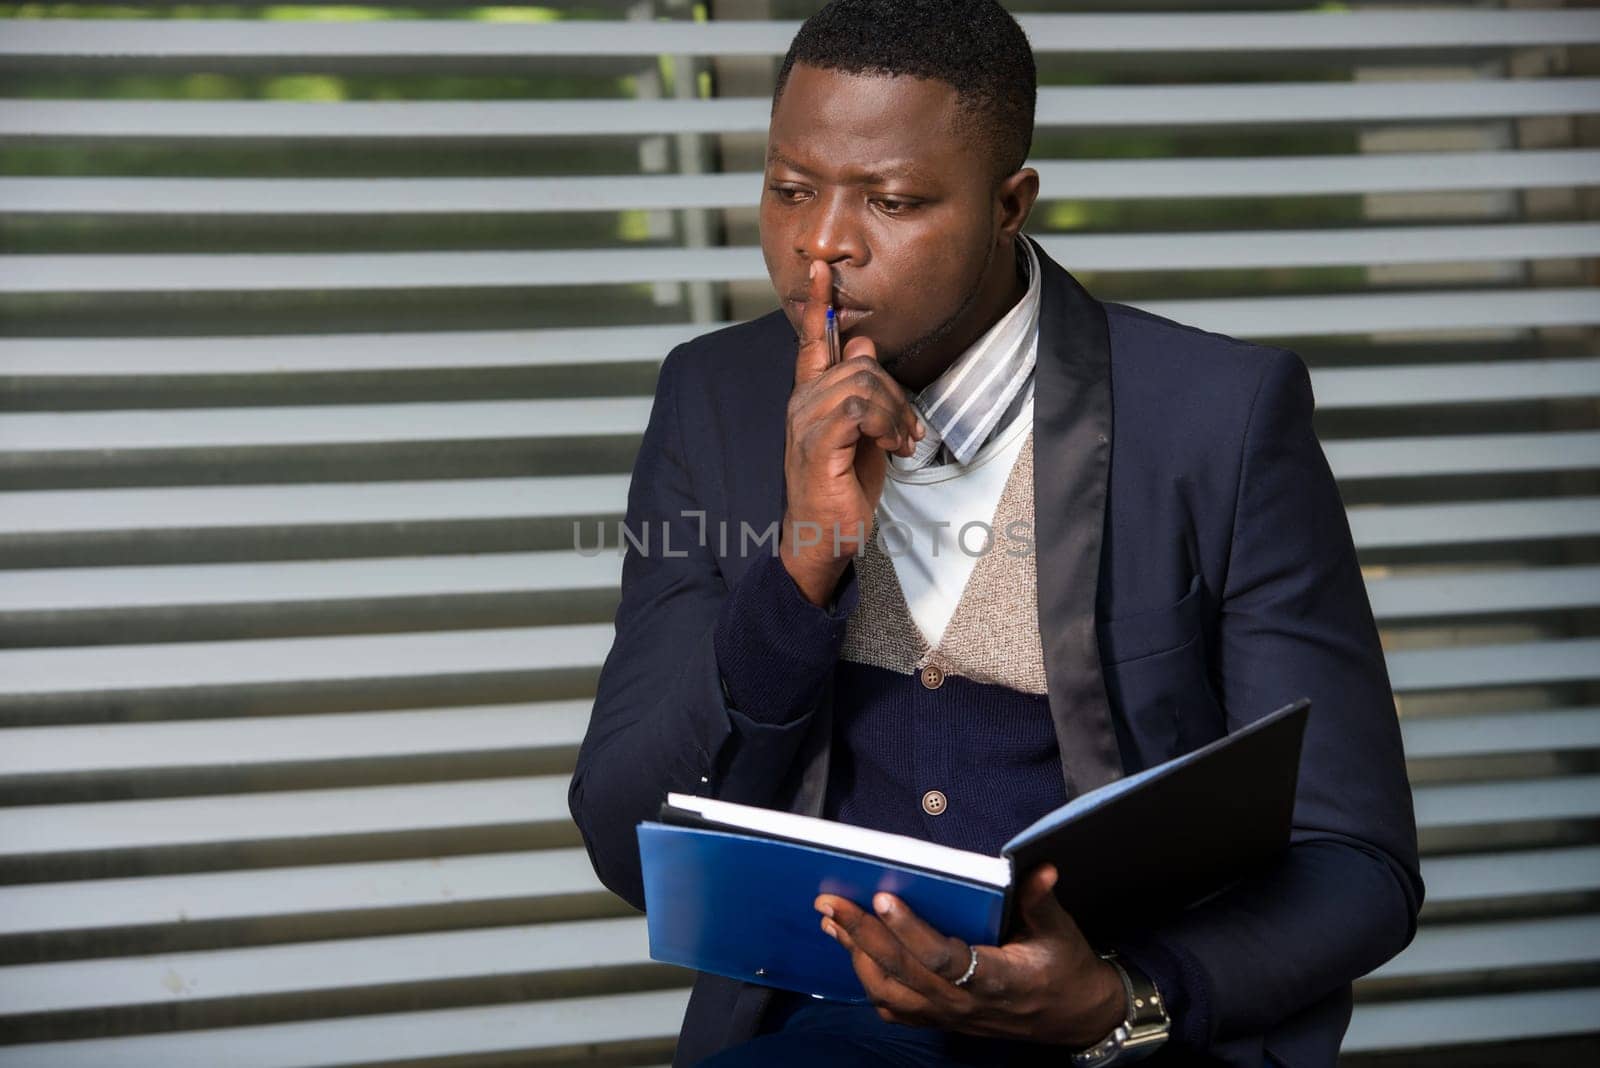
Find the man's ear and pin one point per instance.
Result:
(1014, 199)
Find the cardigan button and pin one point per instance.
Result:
(933, 676)
(934, 803)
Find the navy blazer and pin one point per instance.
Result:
(1195, 571)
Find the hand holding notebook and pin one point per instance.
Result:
(730, 888)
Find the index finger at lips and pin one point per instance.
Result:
(812, 359)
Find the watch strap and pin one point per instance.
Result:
(1141, 1032)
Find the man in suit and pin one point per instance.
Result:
(1165, 559)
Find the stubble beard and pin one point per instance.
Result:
(912, 353)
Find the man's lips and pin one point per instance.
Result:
(848, 316)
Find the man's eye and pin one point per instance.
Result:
(895, 207)
(787, 194)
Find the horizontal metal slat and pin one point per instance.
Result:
(1507, 664)
(188, 586)
(87, 905)
(254, 895)
(1410, 526)
(109, 39)
(32, 674)
(240, 742)
(1463, 454)
(585, 1024)
(1092, 179)
(1464, 1019)
(1512, 944)
(293, 353)
(183, 586)
(45, 830)
(220, 272)
(299, 353)
(243, 742)
(1509, 801)
(1080, 107)
(1346, 314)
(334, 964)
(29, 674)
(1244, 317)
(39, 830)
(596, 1021)
(590, 419)
(331, 424)
(1490, 734)
(1524, 873)
(58, 513)
(1470, 593)
(38, 512)
(1455, 383)
(547, 948)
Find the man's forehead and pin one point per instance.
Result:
(876, 125)
(865, 104)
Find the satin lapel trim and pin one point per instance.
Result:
(1071, 472)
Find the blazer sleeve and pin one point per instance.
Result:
(663, 719)
(1295, 620)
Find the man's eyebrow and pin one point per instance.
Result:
(774, 156)
(885, 171)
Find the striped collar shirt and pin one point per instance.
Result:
(985, 387)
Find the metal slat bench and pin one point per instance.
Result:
(336, 823)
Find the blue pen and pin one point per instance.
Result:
(833, 337)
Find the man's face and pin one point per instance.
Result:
(876, 177)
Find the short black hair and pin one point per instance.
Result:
(973, 45)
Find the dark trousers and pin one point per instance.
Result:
(800, 1032)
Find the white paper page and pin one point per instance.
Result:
(896, 848)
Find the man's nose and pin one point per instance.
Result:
(831, 233)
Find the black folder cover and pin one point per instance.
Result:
(1175, 833)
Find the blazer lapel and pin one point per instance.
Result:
(1072, 466)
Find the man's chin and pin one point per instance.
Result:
(890, 360)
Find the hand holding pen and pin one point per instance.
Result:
(844, 416)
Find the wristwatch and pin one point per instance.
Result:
(1141, 1033)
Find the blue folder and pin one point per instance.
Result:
(740, 906)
